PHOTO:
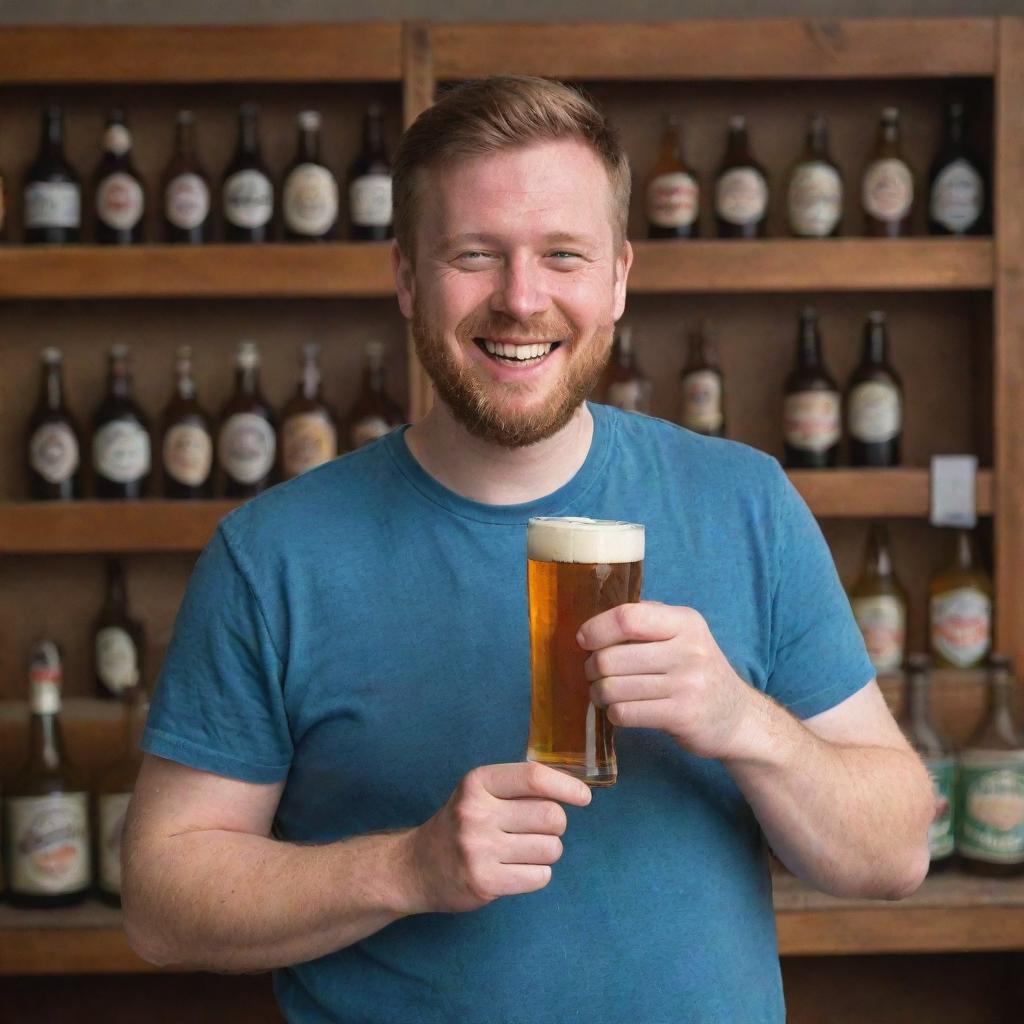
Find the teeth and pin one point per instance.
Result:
(518, 352)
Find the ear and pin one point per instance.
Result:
(405, 280)
(623, 261)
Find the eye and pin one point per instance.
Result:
(564, 255)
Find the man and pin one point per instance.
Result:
(350, 666)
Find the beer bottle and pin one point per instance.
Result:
(879, 603)
(186, 188)
(246, 439)
(960, 609)
(118, 639)
(887, 191)
(815, 195)
(247, 194)
(934, 750)
(874, 401)
(812, 406)
(309, 434)
(672, 194)
(120, 197)
(121, 438)
(625, 385)
(54, 441)
(374, 413)
(188, 437)
(702, 387)
(310, 199)
(957, 192)
(741, 187)
(46, 813)
(369, 182)
(52, 194)
(990, 836)
(3, 207)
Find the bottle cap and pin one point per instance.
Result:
(309, 120)
(890, 113)
(310, 350)
(45, 675)
(737, 122)
(119, 351)
(625, 337)
(876, 316)
(51, 355)
(185, 117)
(809, 313)
(248, 354)
(918, 662)
(374, 350)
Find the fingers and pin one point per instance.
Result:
(615, 689)
(631, 660)
(529, 779)
(644, 621)
(527, 816)
(531, 849)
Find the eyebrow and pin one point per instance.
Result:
(554, 238)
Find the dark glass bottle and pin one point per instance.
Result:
(887, 189)
(309, 432)
(121, 448)
(369, 182)
(957, 191)
(120, 196)
(118, 640)
(741, 187)
(874, 401)
(310, 193)
(374, 412)
(960, 609)
(246, 437)
(814, 200)
(879, 603)
(52, 194)
(187, 437)
(247, 194)
(625, 385)
(187, 212)
(702, 387)
(54, 442)
(4, 207)
(672, 194)
(812, 421)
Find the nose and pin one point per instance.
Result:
(519, 291)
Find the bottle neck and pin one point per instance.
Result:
(1000, 696)
(373, 136)
(808, 352)
(53, 134)
(817, 140)
(184, 140)
(309, 145)
(955, 125)
(248, 136)
(117, 597)
(889, 134)
(247, 379)
(737, 148)
(45, 745)
(52, 391)
(186, 385)
(875, 343)
(917, 697)
(373, 378)
(964, 551)
(309, 381)
(120, 381)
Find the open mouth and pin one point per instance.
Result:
(516, 355)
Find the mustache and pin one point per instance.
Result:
(540, 330)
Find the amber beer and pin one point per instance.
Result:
(576, 569)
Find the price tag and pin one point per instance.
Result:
(954, 490)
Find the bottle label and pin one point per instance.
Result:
(188, 454)
(53, 204)
(120, 451)
(961, 625)
(630, 395)
(113, 810)
(941, 837)
(53, 452)
(811, 420)
(308, 439)
(117, 139)
(120, 201)
(248, 199)
(992, 810)
(702, 402)
(741, 196)
(875, 411)
(246, 447)
(958, 197)
(888, 191)
(672, 200)
(44, 695)
(815, 199)
(310, 200)
(883, 624)
(186, 201)
(49, 843)
(368, 429)
(117, 660)
(369, 201)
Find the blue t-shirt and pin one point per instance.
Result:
(362, 632)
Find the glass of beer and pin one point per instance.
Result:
(576, 568)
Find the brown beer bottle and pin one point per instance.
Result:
(120, 196)
(625, 385)
(118, 640)
(741, 187)
(52, 193)
(672, 193)
(960, 609)
(46, 810)
(309, 433)
(187, 437)
(310, 193)
(814, 199)
(4, 206)
(54, 442)
(957, 191)
(247, 193)
(702, 387)
(246, 438)
(812, 405)
(374, 413)
(887, 189)
(369, 182)
(187, 211)
(121, 439)
(990, 834)
(874, 401)
(879, 603)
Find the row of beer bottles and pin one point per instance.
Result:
(250, 450)
(309, 196)
(815, 195)
(62, 831)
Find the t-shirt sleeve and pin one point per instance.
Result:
(218, 704)
(818, 658)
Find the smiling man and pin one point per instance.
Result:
(334, 785)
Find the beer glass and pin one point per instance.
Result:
(576, 568)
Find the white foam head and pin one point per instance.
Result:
(576, 539)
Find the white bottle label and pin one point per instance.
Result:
(741, 196)
(53, 204)
(672, 200)
(883, 624)
(368, 429)
(117, 139)
(186, 201)
(113, 810)
(246, 447)
(248, 199)
(811, 420)
(308, 439)
(120, 201)
(120, 451)
(188, 454)
(875, 412)
(53, 452)
(369, 201)
(49, 843)
(117, 660)
(961, 625)
(702, 402)
(958, 197)
(310, 200)
(888, 191)
(815, 199)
